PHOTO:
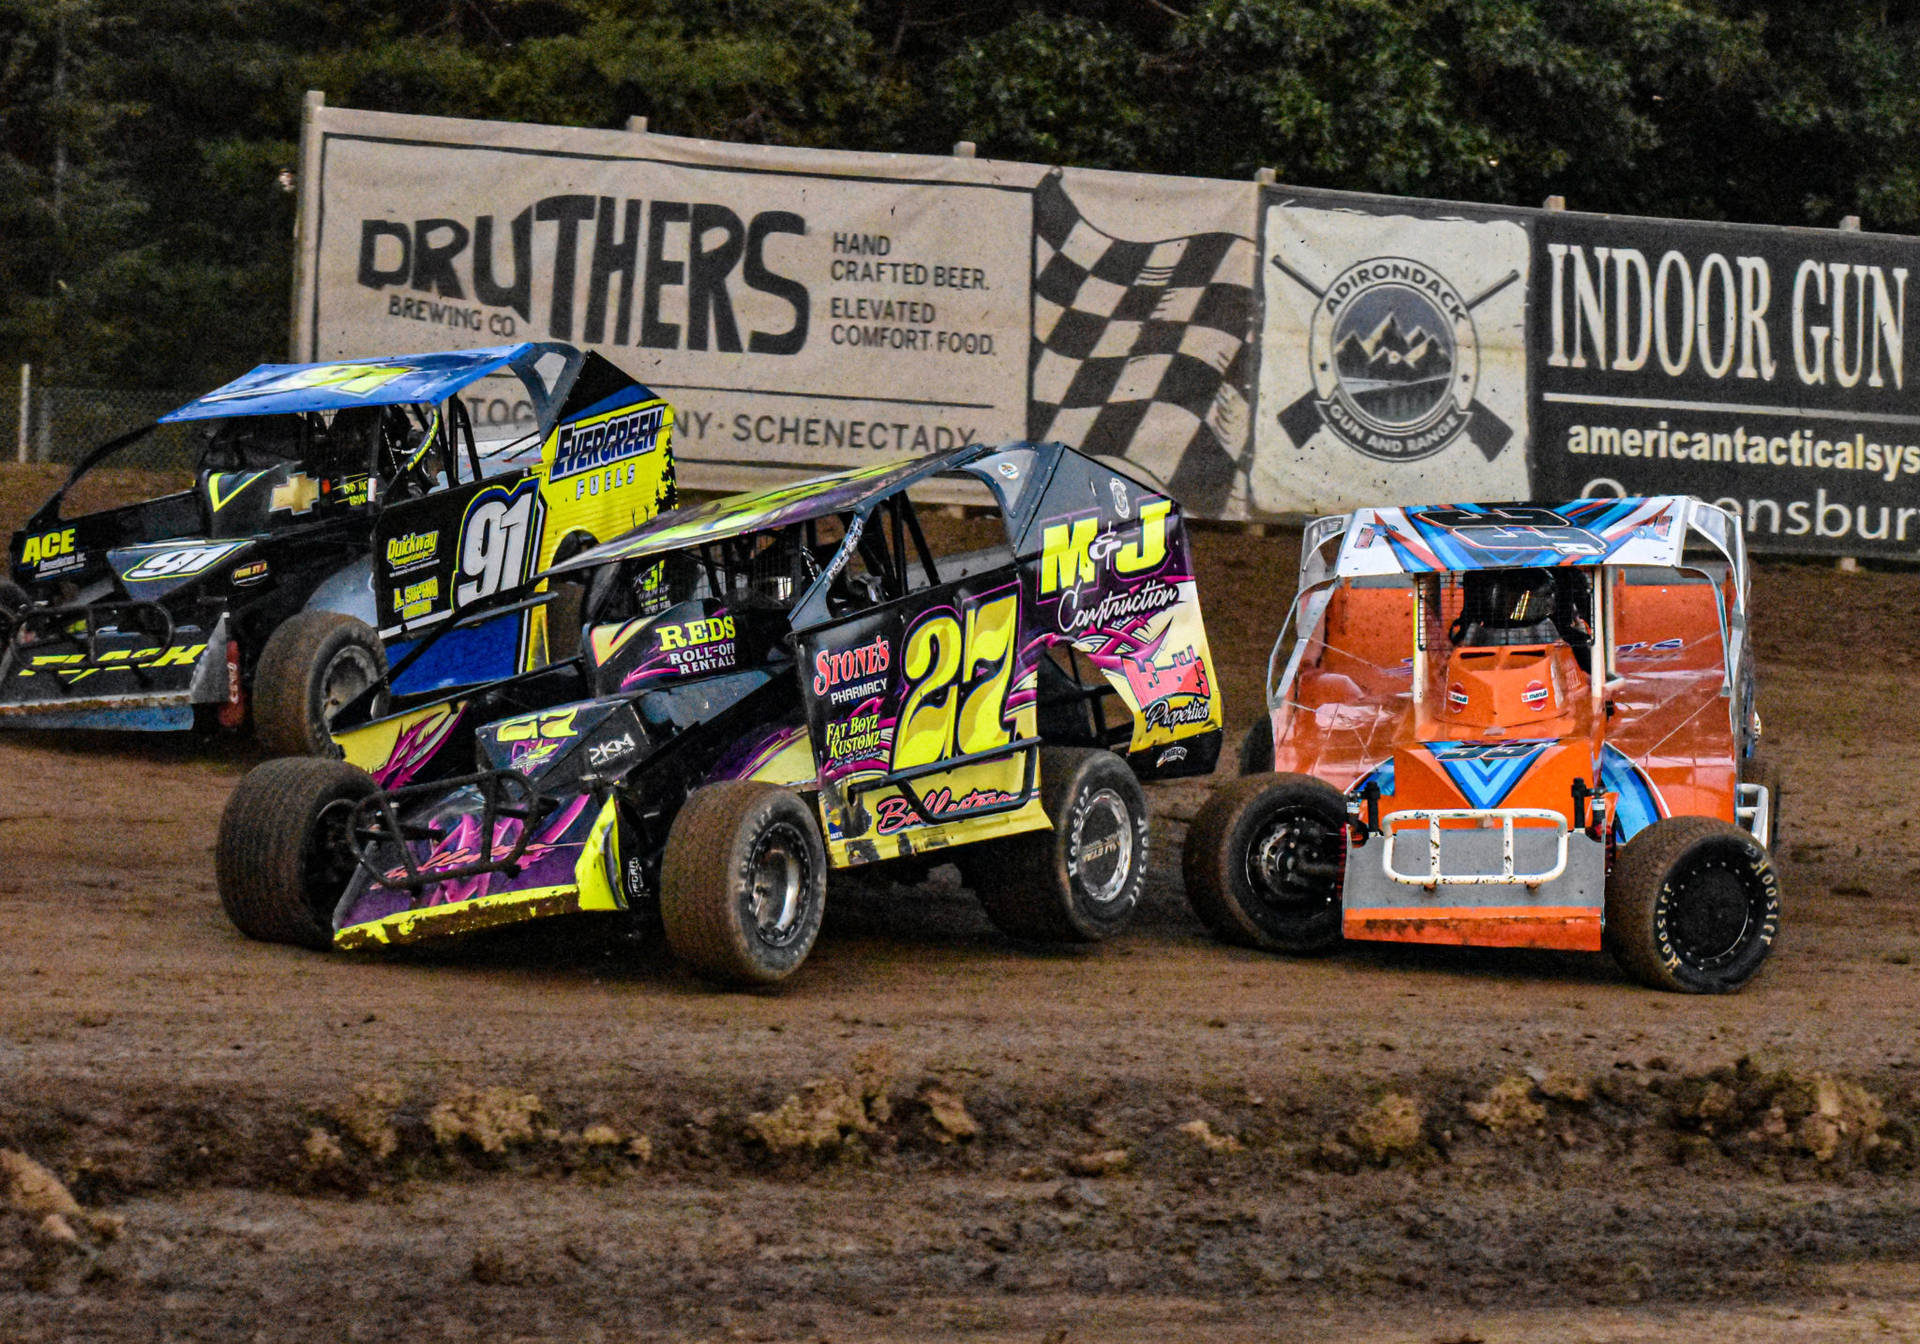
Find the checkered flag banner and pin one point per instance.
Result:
(1144, 351)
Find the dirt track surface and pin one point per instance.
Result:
(536, 1138)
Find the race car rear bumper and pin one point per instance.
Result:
(107, 678)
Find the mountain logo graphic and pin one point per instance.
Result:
(1395, 360)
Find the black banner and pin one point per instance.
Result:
(1764, 368)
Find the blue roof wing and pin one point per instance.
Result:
(394, 380)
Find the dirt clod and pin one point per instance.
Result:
(367, 1118)
(949, 1114)
(1393, 1126)
(1509, 1107)
(1104, 1162)
(491, 1118)
(1203, 1134)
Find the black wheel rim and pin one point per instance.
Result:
(327, 863)
(779, 885)
(1102, 843)
(1712, 907)
(1293, 867)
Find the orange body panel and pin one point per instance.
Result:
(1558, 928)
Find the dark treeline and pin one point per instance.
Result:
(145, 223)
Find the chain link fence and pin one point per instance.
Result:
(64, 424)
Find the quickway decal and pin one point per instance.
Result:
(1486, 772)
(1639, 805)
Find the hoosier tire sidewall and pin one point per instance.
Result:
(707, 876)
(264, 848)
(289, 681)
(1643, 892)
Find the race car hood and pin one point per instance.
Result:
(147, 573)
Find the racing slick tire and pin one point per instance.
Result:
(743, 883)
(1256, 748)
(1264, 863)
(283, 856)
(1078, 880)
(1764, 770)
(1693, 906)
(314, 663)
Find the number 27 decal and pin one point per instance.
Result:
(958, 667)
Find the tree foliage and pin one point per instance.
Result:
(143, 142)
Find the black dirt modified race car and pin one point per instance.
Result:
(254, 592)
(770, 686)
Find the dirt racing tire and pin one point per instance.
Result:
(1264, 863)
(1078, 880)
(1693, 906)
(743, 883)
(314, 663)
(13, 598)
(1758, 769)
(1256, 748)
(283, 857)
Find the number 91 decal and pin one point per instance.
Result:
(494, 540)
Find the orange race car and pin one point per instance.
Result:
(1508, 725)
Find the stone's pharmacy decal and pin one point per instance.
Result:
(1763, 368)
(1392, 355)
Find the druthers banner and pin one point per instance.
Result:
(1254, 351)
(803, 310)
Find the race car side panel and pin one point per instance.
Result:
(1111, 573)
(941, 675)
(606, 466)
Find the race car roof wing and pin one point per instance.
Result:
(1449, 538)
(839, 492)
(390, 380)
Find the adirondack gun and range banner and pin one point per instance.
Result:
(1259, 351)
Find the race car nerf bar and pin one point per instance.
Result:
(1504, 817)
(97, 617)
(900, 779)
(376, 822)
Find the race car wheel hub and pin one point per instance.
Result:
(1710, 910)
(348, 674)
(1102, 843)
(328, 860)
(1291, 863)
(779, 878)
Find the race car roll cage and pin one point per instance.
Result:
(1320, 572)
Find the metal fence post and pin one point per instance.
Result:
(26, 389)
(43, 426)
